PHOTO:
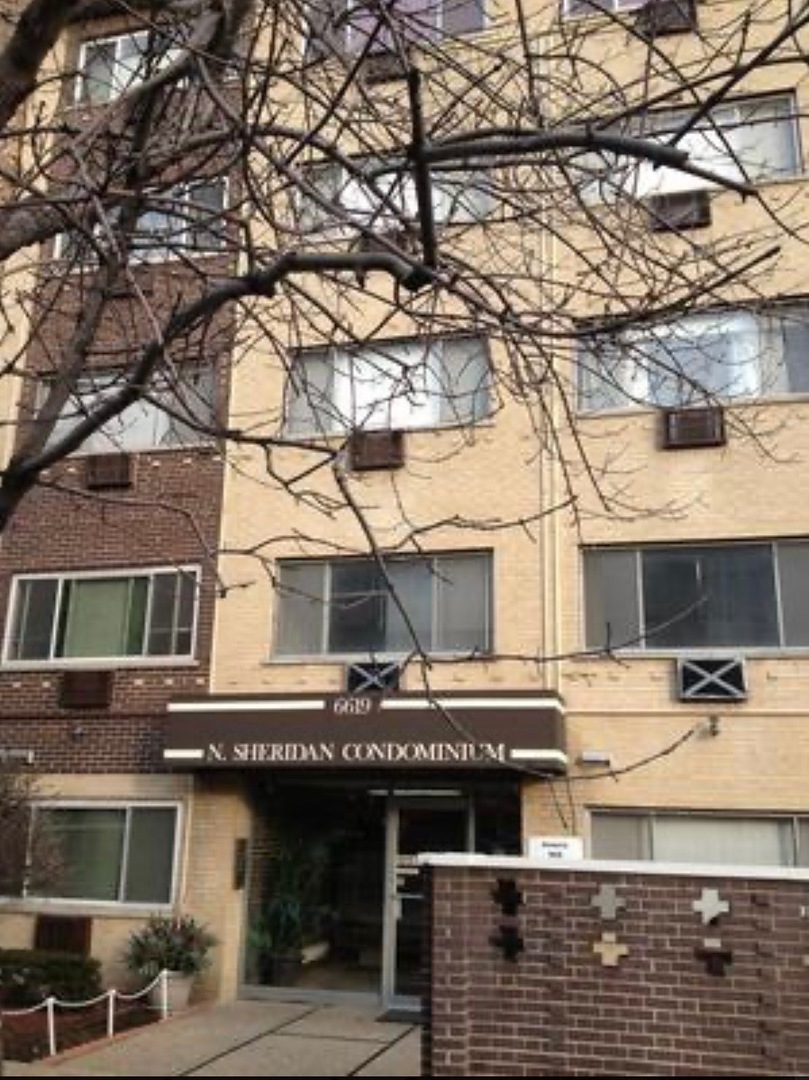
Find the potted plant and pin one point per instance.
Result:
(291, 924)
(176, 944)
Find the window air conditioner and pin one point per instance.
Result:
(369, 450)
(678, 211)
(684, 429)
(373, 677)
(711, 679)
(85, 689)
(660, 17)
(108, 471)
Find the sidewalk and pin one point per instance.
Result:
(249, 1038)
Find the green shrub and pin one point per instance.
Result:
(27, 976)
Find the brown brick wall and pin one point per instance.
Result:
(169, 516)
(556, 1010)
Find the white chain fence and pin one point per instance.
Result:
(50, 1005)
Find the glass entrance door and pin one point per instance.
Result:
(415, 824)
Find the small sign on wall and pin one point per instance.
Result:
(555, 848)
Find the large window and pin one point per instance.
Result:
(701, 838)
(183, 220)
(146, 614)
(748, 140)
(689, 597)
(336, 26)
(459, 196)
(123, 854)
(109, 66)
(724, 354)
(344, 607)
(389, 386)
(177, 411)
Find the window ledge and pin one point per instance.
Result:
(333, 438)
(759, 652)
(624, 411)
(105, 908)
(105, 663)
(341, 659)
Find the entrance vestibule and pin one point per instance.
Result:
(334, 899)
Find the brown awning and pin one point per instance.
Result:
(400, 730)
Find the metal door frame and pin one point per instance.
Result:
(440, 802)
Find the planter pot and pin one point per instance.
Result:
(178, 991)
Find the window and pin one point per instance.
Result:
(98, 616)
(110, 66)
(170, 416)
(344, 607)
(688, 361)
(701, 838)
(391, 386)
(122, 854)
(460, 197)
(752, 139)
(572, 9)
(185, 219)
(706, 597)
(381, 25)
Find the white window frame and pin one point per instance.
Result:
(140, 660)
(580, 9)
(649, 817)
(140, 251)
(641, 179)
(360, 206)
(325, 656)
(112, 437)
(415, 405)
(639, 648)
(758, 361)
(122, 80)
(127, 806)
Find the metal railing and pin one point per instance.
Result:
(50, 1005)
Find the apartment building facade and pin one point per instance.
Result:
(255, 688)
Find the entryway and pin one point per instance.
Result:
(334, 899)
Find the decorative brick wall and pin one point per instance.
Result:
(615, 972)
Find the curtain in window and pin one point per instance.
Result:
(740, 841)
(462, 597)
(97, 616)
(89, 845)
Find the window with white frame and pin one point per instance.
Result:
(141, 614)
(694, 837)
(115, 853)
(696, 359)
(109, 66)
(460, 196)
(573, 9)
(712, 596)
(345, 606)
(750, 140)
(177, 410)
(395, 385)
(183, 220)
(374, 26)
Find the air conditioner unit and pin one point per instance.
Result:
(684, 429)
(384, 65)
(368, 450)
(678, 211)
(660, 17)
(107, 471)
(85, 689)
(372, 677)
(711, 679)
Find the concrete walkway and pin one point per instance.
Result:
(249, 1038)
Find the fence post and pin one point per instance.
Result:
(111, 1013)
(164, 994)
(49, 1008)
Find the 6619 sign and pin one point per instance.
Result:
(354, 706)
